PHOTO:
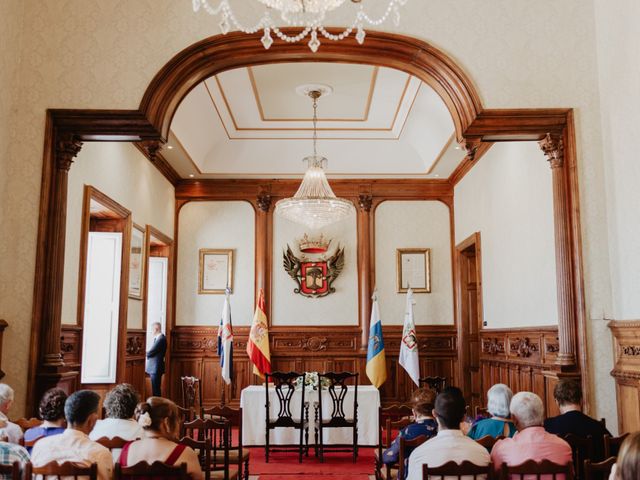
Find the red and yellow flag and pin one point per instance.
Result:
(258, 344)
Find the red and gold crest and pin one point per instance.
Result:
(314, 276)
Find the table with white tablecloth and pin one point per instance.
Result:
(253, 402)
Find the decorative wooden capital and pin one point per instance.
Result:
(365, 202)
(553, 147)
(471, 147)
(264, 202)
(67, 148)
(152, 147)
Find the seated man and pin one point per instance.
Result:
(9, 453)
(531, 442)
(568, 396)
(422, 402)
(74, 445)
(8, 430)
(120, 406)
(450, 444)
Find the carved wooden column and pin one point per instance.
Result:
(553, 148)
(364, 264)
(67, 147)
(262, 245)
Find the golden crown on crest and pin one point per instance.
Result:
(313, 245)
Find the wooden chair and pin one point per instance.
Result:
(612, 445)
(66, 469)
(405, 445)
(458, 470)
(390, 420)
(285, 386)
(28, 444)
(598, 471)
(481, 412)
(531, 469)
(111, 443)
(434, 382)
(25, 424)
(155, 470)
(203, 450)
(217, 435)
(337, 392)
(582, 449)
(191, 393)
(186, 415)
(488, 441)
(237, 454)
(14, 471)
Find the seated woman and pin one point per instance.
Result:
(51, 411)
(498, 400)
(422, 403)
(160, 421)
(627, 466)
(119, 406)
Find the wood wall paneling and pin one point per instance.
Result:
(626, 372)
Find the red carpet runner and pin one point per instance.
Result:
(336, 466)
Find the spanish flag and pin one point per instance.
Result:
(376, 362)
(258, 344)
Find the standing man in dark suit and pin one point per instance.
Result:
(155, 360)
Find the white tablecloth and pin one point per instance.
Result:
(252, 402)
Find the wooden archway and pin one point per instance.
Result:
(148, 126)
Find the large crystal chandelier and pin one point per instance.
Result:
(307, 14)
(314, 204)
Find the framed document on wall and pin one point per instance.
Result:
(413, 269)
(216, 270)
(137, 256)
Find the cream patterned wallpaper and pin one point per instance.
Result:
(102, 54)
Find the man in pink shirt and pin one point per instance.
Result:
(531, 442)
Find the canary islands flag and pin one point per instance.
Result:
(258, 344)
(376, 362)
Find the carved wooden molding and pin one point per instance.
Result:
(523, 347)
(151, 148)
(553, 148)
(264, 202)
(493, 346)
(365, 202)
(135, 345)
(67, 148)
(630, 350)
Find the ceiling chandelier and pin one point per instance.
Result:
(308, 14)
(314, 204)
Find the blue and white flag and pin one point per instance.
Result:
(225, 341)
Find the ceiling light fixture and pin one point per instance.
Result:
(170, 147)
(314, 204)
(308, 14)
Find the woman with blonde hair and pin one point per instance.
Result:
(627, 466)
(160, 421)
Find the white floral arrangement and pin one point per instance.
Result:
(311, 381)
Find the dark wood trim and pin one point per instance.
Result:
(65, 130)
(468, 162)
(161, 163)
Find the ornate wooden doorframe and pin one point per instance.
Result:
(148, 126)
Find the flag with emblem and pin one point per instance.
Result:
(258, 344)
(225, 340)
(409, 345)
(376, 362)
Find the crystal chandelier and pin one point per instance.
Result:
(308, 14)
(314, 204)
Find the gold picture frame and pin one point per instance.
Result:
(137, 260)
(413, 268)
(216, 271)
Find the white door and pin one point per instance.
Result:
(157, 295)
(101, 308)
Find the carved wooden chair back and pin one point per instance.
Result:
(112, 443)
(481, 412)
(612, 445)
(433, 382)
(234, 417)
(337, 389)
(531, 470)
(30, 443)
(66, 469)
(390, 420)
(598, 471)
(217, 431)
(27, 423)
(284, 385)
(154, 470)
(186, 415)
(405, 445)
(14, 471)
(488, 441)
(581, 450)
(191, 393)
(203, 449)
(466, 470)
